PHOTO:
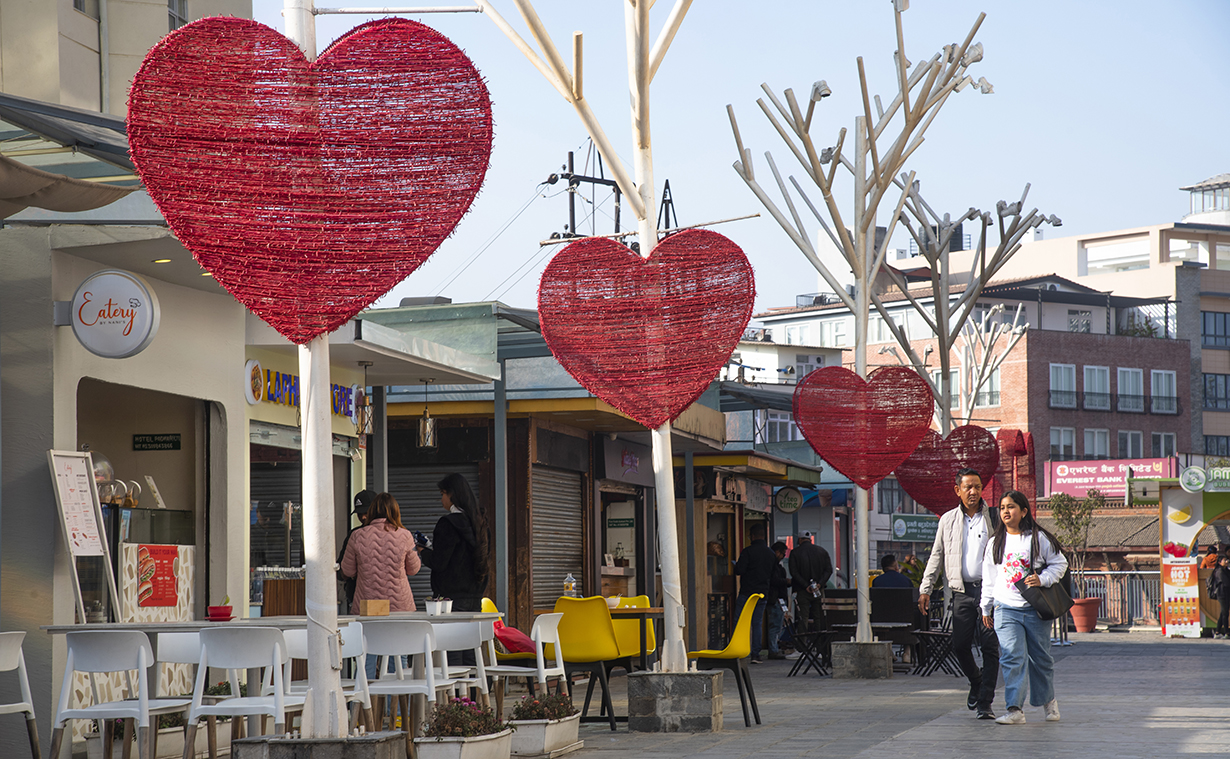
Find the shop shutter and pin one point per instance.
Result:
(419, 499)
(277, 484)
(557, 533)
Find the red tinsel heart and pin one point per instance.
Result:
(646, 335)
(309, 190)
(929, 475)
(865, 429)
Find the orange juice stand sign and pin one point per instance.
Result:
(1181, 591)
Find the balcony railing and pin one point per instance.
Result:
(1163, 404)
(1097, 401)
(1214, 403)
(1063, 399)
(1131, 404)
(987, 398)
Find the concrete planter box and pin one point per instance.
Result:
(546, 737)
(494, 746)
(170, 743)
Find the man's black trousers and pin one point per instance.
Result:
(968, 631)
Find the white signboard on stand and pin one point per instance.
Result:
(76, 493)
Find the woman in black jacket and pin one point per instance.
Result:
(459, 549)
(1219, 588)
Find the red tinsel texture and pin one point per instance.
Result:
(929, 475)
(864, 429)
(309, 190)
(646, 335)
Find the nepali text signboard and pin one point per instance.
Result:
(1076, 478)
(917, 528)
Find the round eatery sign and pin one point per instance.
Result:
(115, 314)
(788, 500)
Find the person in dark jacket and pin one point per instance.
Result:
(891, 576)
(1219, 588)
(362, 501)
(779, 595)
(809, 563)
(459, 547)
(755, 568)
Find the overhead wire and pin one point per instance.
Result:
(453, 275)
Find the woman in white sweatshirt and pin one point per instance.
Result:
(1020, 549)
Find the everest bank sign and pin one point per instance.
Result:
(1076, 478)
(115, 314)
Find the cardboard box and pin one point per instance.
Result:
(374, 608)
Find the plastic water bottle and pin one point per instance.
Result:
(570, 586)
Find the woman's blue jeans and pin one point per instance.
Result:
(1025, 641)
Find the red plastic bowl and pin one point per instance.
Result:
(219, 611)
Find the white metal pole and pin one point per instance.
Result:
(324, 712)
(862, 633)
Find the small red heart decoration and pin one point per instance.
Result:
(929, 475)
(309, 190)
(863, 428)
(646, 335)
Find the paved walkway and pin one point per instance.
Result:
(1122, 695)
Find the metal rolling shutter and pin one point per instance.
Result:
(419, 500)
(557, 532)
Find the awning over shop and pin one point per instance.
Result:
(759, 466)
(736, 396)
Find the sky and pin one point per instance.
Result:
(1106, 109)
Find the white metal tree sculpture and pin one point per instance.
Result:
(643, 63)
(982, 354)
(879, 157)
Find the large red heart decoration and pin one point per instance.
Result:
(309, 190)
(864, 429)
(929, 475)
(646, 335)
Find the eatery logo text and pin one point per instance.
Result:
(1215, 479)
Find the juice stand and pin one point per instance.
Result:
(1199, 498)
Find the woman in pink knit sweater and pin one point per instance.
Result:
(380, 556)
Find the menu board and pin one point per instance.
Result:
(74, 488)
(156, 575)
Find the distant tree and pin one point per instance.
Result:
(1073, 519)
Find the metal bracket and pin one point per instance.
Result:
(62, 313)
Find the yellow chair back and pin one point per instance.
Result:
(585, 631)
(740, 645)
(627, 633)
(489, 607)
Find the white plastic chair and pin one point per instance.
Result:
(396, 638)
(352, 648)
(11, 658)
(545, 631)
(97, 651)
(232, 649)
(462, 636)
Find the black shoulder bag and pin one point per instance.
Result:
(1050, 602)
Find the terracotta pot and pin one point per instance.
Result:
(1085, 613)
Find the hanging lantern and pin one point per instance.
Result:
(427, 425)
(363, 406)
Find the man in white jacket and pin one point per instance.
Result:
(960, 544)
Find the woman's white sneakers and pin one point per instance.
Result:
(1052, 710)
(1013, 717)
(1017, 717)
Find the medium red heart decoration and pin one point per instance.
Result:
(929, 475)
(646, 335)
(863, 428)
(309, 189)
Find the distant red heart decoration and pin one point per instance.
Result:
(929, 475)
(646, 336)
(864, 429)
(309, 190)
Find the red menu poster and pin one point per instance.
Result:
(156, 575)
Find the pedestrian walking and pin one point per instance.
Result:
(779, 593)
(1021, 550)
(1218, 587)
(960, 544)
(810, 570)
(754, 568)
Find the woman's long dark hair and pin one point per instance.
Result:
(1000, 536)
(462, 497)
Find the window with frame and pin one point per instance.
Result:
(177, 13)
(1130, 445)
(1063, 385)
(805, 364)
(1063, 443)
(892, 497)
(1080, 320)
(1131, 391)
(1217, 445)
(88, 7)
(954, 386)
(1162, 386)
(1215, 329)
(1217, 391)
(1163, 444)
(1097, 388)
(1097, 444)
(833, 333)
(989, 394)
(796, 334)
(779, 427)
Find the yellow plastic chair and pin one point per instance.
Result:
(627, 632)
(588, 642)
(526, 658)
(734, 657)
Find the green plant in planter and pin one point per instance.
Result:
(549, 706)
(462, 718)
(1073, 518)
(224, 689)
